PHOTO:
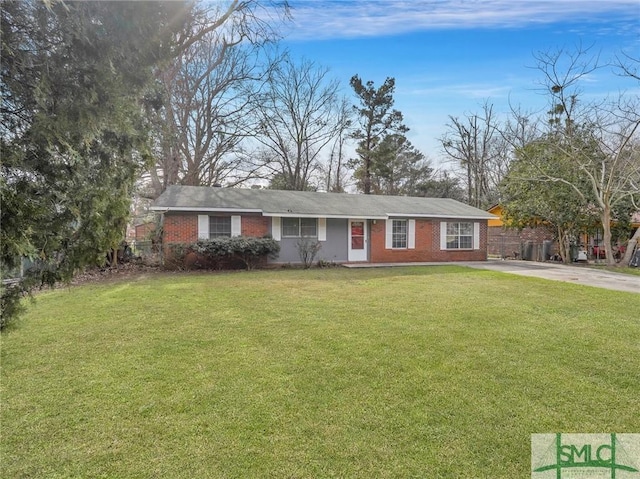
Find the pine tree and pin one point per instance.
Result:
(377, 119)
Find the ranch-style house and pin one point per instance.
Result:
(350, 227)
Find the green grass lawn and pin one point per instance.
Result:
(426, 372)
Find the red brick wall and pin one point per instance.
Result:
(144, 230)
(462, 255)
(256, 226)
(427, 245)
(422, 251)
(508, 242)
(180, 228)
(183, 228)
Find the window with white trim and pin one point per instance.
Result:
(460, 235)
(399, 234)
(219, 226)
(299, 227)
(309, 227)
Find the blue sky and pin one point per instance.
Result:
(449, 56)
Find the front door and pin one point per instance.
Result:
(357, 240)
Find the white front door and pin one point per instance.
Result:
(358, 240)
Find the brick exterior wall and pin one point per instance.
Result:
(180, 228)
(427, 245)
(256, 226)
(510, 243)
(143, 231)
(183, 228)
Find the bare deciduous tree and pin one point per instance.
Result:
(201, 109)
(475, 144)
(337, 169)
(300, 112)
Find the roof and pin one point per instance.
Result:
(310, 204)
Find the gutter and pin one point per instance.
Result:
(165, 209)
(444, 216)
(290, 214)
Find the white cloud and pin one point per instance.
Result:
(364, 18)
(468, 90)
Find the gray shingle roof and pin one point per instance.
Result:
(306, 203)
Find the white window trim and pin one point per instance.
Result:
(236, 225)
(443, 236)
(476, 235)
(276, 228)
(322, 229)
(388, 243)
(411, 233)
(203, 227)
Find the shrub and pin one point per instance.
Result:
(222, 252)
(176, 255)
(307, 250)
(253, 251)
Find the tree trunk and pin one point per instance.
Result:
(606, 227)
(367, 176)
(565, 246)
(631, 247)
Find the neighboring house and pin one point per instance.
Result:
(145, 243)
(508, 242)
(539, 243)
(144, 230)
(350, 228)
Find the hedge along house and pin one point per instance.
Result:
(350, 228)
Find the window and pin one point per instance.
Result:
(357, 235)
(308, 227)
(399, 234)
(290, 227)
(297, 227)
(219, 226)
(460, 235)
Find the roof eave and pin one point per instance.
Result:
(195, 209)
(289, 214)
(441, 215)
(324, 215)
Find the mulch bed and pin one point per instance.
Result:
(123, 271)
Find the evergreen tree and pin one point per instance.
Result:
(377, 119)
(73, 139)
(398, 167)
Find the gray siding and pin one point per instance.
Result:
(334, 249)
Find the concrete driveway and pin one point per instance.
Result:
(553, 271)
(561, 272)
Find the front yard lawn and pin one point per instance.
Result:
(426, 372)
